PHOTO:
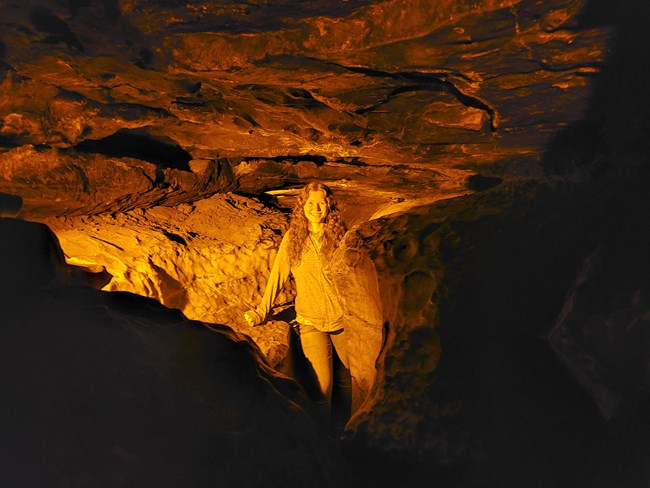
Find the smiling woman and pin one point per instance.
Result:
(306, 253)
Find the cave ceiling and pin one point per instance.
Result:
(114, 105)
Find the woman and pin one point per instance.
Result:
(306, 251)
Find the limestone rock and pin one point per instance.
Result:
(109, 389)
(210, 259)
(397, 83)
(356, 281)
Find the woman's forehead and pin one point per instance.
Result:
(316, 195)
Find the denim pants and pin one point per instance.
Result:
(318, 348)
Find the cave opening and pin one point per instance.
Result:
(138, 144)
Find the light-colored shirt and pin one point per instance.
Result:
(317, 301)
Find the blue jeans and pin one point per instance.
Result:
(318, 348)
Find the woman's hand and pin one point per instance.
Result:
(252, 318)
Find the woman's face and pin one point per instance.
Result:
(316, 208)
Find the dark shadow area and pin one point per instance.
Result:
(4, 67)
(139, 145)
(10, 205)
(523, 418)
(480, 182)
(56, 29)
(252, 17)
(95, 278)
(535, 422)
(114, 389)
(175, 238)
(111, 8)
(318, 160)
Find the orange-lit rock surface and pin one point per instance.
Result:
(200, 258)
(449, 85)
(211, 260)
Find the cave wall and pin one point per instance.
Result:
(113, 389)
(509, 348)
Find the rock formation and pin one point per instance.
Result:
(112, 389)
(490, 159)
(94, 91)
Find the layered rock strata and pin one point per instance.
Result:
(89, 87)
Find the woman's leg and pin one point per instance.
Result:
(341, 407)
(317, 348)
(340, 341)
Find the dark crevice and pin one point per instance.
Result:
(190, 101)
(425, 81)
(451, 88)
(145, 58)
(353, 161)
(57, 30)
(82, 176)
(9, 141)
(292, 97)
(318, 160)
(250, 120)
(175, 238)
(148, 178)
(162, 152)
(160, 178)
(64, 94)
(480, 182)
(473, 102)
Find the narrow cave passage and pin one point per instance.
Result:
(137, 144)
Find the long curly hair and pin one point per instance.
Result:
(334, 229)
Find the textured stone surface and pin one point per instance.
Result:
(405, 251)
(409, 84)
(210, 260)
(112, 389)
(529, 115)
(356, 279)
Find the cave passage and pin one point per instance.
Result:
(135, 144)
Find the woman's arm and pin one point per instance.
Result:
(278, 277)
